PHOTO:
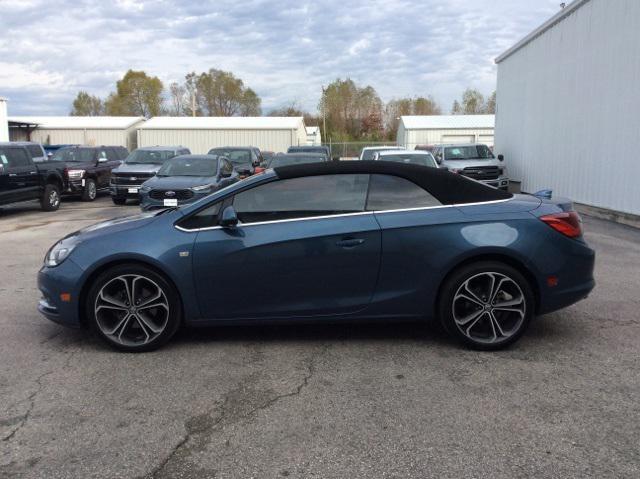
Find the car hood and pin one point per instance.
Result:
(138, 168)
(461, 164)
(178, 182)
(113, 226)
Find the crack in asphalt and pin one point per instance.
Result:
(208, 429)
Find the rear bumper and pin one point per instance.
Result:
(575, 280)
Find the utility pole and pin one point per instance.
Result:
(324, 122)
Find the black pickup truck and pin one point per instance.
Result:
(22, 179)
(87, 169)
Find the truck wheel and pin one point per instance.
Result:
(118, 201)
(50, 200)
(90, 190)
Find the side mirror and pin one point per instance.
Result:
(438, 160)
(49, 155)
(229, 218)
(255, 163)
(501, 157)
(225, 174)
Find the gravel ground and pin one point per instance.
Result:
(326, 401)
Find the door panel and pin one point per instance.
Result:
(310, 267)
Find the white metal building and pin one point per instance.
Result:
(4, 125)
(568, 105)
(437, 129)
(82, 130)
(313, 135)
(200, 134)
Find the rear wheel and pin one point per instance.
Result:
(133, 308)
(90, 190)
(50, 200)
(118, 201)
(486, 305)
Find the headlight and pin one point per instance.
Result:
(75, 174)
(201, 188)
(58, 253)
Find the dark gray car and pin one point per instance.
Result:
(138, 167)
(185, 179)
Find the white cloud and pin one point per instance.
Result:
(284, 50)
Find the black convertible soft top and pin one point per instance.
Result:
(448, 188)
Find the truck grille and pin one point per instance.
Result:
(482, 172)
(133, 179)
(177, 194)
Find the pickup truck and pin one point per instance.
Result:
(22, 179)
(87, 169)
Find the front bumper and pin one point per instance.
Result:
(128, 192)
(52, 283)
(75, 186)
(147, 203)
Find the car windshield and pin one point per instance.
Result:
(155, 157)
(237, 157)
(286, 160)
(471, 152)
(368, 154)
(417, 159)
(74, 155)
(189, 166)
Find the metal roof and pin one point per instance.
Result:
(79, 122)
(448, 122)
(553, 21)
(223, 123)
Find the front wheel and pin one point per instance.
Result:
(133, 308)
(90, 190)
(50, 200)
(486, 305)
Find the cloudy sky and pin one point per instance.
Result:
(285, 50)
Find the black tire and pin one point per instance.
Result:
(50, 200)
(103, 320)
(118, 201)
(90, 190)
(484, 331)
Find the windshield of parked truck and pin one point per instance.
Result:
(424, 159)
(189, 166)
(237, 157)
(469, 152)
(367, 153)
(154, 157)
(74, 155)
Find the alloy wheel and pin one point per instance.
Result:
(92, 190)
(131, 310)
(489, 308)
(54, 199)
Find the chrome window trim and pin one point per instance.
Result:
(361, 213)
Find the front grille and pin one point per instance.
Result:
(133, 179)
(178, 194)
(482, 172)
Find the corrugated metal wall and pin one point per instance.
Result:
(568, 107)
(126, 138)
(411, 138)
(201, 141)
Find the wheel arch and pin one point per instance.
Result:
(86, 285)
(507, 259)
(55, 180)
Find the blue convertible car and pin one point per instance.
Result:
(366, 240)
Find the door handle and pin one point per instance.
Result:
(350, 242)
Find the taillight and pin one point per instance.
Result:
(568, 223)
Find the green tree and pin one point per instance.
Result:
(490, 107)
(137, 94)
(346, 106)
(473, 103)
(407, 106)
(220, 93)
(87, 105)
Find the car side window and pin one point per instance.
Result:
(102, 153)
(35, 151)
(387, 192)
(15, 157)
(202, 219)
(304, 197)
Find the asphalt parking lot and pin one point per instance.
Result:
(330, 401)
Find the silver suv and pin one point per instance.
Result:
(473, 160)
